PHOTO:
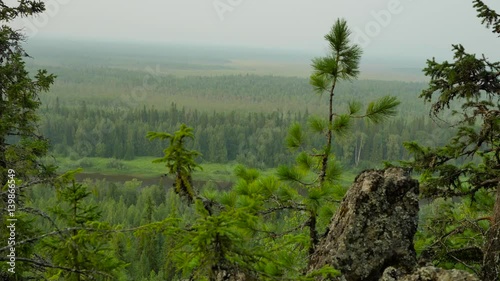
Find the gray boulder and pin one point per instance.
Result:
(373, 227)
(428, 273)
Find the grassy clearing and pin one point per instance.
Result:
(140, 167)
(143, 168)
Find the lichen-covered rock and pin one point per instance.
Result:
(373, 227)
(428, 273)
(226, 276)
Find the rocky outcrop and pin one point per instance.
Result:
(429, 273)
(370, 238)
(373, 227)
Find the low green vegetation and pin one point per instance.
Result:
(144, 168)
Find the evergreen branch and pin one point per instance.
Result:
(318, 125)
(34, 239)
(319, 83)
(32, 183)
(303, 182)
(354, 107)
(290, 174)
(49, 265)
(490, 183)
(275, 235)
(323, 67)
(282, 208)
(341, 124)
(295, 137)
(70, 229)
(155, 135)
(489, 16)
(471, 253)
(381, 109)
(43, 215)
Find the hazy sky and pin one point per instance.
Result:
(407, 28)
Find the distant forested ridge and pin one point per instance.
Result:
(242, 118)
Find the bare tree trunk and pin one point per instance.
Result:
(491, 263)
(329, 135)
(313, 235)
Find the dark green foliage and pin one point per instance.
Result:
(474, 84)
(295, 136)
(342, 64)
(450, 233)
(21, 146)
(381, 109)
(341, 125)
(26, 8)
(489, 17)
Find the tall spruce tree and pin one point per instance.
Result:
(20, 145)
(469, 164)
(76, 252)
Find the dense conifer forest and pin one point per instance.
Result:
(102, 128)
(286, 148)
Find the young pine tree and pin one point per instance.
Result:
(315, 171)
